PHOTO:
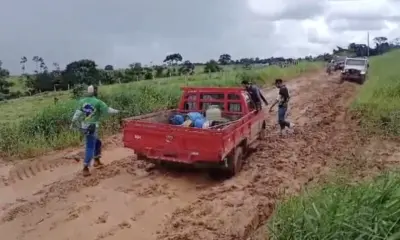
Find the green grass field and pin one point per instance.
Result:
(379, 99)
(370, 210)
(34, 125)
(341, 209)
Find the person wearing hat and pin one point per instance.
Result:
(255, 94)
(282, 100)
(92, 109)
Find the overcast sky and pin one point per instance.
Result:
(120, 32)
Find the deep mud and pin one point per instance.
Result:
(128, 199)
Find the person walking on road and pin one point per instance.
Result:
(282, 100)
(92, 109)
(255, 94)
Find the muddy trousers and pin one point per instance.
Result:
(282, 118)
(92, 148)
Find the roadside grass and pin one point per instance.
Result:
(340, 210)
(45, 126)
(378, 102)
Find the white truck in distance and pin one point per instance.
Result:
(355, 69)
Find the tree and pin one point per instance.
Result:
(109, 68)
(42, 65)
(225, 59)
(57, 81)
(4, 84)
(159, 71)
(380, 40)
(23, 64)
(148, 73)
(173, 59)
(135, 72)
(187, 68)
(36, 60)
(83, 71)
(212, 66)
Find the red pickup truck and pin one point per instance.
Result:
(220, 147)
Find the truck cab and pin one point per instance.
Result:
(221, 146)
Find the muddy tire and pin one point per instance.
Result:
(235, 162)
(361, 80)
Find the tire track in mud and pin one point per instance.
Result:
(283, 165)
(30, 168)
(59, 190)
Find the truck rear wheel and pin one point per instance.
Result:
(235, 162)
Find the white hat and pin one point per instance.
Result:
(90, 89)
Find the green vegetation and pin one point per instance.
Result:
(379, 98)
(367, 211)
(45, 125)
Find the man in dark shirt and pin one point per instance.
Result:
(255, 94)
(282, 100)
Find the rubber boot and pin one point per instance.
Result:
(86, 171)
(97, 163)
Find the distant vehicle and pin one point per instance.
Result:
(219, 147)
(355, 69)
(339, 62)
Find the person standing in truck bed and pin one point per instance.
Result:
(282, 100)
(255, 94)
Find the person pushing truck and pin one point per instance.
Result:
(282, 100)
(255, 94)
(91, 109)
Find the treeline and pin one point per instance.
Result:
(86, 71)
(381, 45)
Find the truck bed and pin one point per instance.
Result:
(152, 137)
(162, 117)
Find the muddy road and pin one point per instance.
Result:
(47, 198)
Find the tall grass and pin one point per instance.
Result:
(378, 101)
(368, 211)
(48, 129)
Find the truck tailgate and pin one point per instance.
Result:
(173, 143)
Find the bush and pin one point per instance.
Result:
(48, 129)
(342, 211)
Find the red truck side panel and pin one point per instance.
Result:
(173, 143)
